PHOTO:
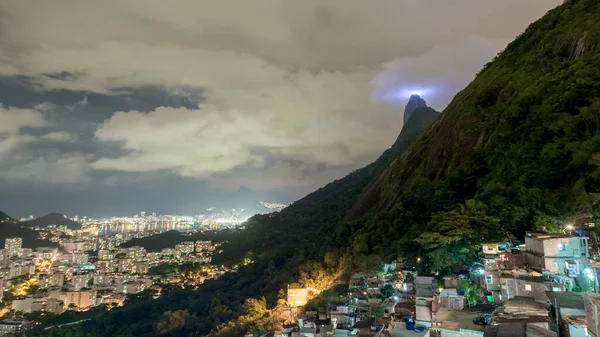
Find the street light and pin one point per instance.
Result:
(591, 275)
(569, 228)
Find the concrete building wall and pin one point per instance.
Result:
(492, 280)
(23, 305)
(81, 299)
(551, 253)
(491, 248)
(48, 305)
(512, 287)
(592, 313)
(573, 330)
(537, 331)
(423, 313)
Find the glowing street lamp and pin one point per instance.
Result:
(591, 275)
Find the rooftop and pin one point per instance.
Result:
(523, 309)
(593, 296)
(456, 320)
(516, 330)
(578, 320)
(542, 236)
(400, 331)
(527, 277)
(566, 299)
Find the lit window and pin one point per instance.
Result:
(562, 246)
(528, 287)
(489, 279)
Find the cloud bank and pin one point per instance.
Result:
(278, 96)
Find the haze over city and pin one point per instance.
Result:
(115, 107)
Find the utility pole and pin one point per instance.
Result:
(557, 321)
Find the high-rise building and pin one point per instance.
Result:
(12, 246)
(203, 246)
(185, 247)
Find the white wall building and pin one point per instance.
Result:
(557, 253)
(12, 246)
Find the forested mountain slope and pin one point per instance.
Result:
(307, 222)
(285, 247)
(517, 149)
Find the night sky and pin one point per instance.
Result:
(113, 107)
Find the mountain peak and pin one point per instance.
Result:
(4, 217)
(54, 219)
(244, 189)
(414, 102)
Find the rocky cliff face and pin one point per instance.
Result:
(418, 124)
(516, 150)
(414, 102)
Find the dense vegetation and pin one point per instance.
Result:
(518, 149)
(54, 219)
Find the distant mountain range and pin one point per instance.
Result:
(5, 219)
(244, 198)
(10, 227)
(54, 219)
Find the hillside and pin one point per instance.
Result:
(10, 227)
(517, 149)
(55, 219)
(319, 213)
(283, 246)
(5, 219)
(169, 239)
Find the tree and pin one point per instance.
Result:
(175, 320)
(472, 291)
(388, 290)
(452, 235)
(377, 312)
(544, 222)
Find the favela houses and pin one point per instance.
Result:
(323, 168)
